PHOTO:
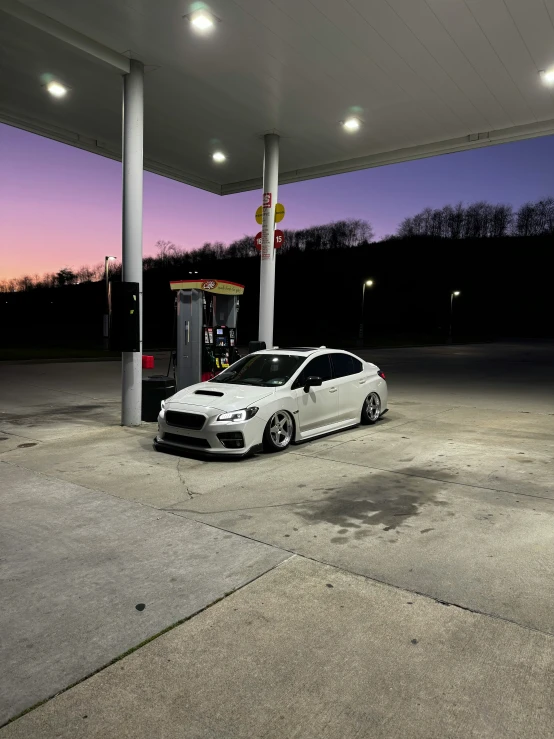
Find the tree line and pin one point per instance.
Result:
(65, 276)
(479, 220)
(339, 234)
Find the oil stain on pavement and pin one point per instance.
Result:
(377, 499)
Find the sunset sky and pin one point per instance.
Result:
(61, 206)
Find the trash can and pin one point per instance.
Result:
(154, 390)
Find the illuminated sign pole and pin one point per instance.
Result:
(267, 262)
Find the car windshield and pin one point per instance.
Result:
(266, 370)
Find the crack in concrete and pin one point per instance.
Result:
(183, 482)
(237, 510)
(373, 578)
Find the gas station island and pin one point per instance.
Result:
(207, 316)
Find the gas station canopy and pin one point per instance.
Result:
(419, 77)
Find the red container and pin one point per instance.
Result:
(147, 362)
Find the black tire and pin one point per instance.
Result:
(279, 432)
(371, 409)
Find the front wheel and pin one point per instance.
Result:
(371, 410)
(278, 432)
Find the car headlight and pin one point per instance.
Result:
(237, 416)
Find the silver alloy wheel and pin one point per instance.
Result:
(373, 406)
(281, 428)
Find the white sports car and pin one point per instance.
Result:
(271, 398)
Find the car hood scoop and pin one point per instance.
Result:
(225, 398)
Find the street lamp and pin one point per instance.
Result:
(367, 283)
(453, 294)
(106, 331)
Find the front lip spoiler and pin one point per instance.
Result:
(204, 453)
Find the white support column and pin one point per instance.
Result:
(133, 108)
(267, 269)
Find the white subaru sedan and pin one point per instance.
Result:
(271, 398)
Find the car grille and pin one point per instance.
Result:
(185, 420)
(186, 440)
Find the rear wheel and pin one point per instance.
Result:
(371, 410)
(278, 432)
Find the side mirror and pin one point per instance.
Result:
(312, 382)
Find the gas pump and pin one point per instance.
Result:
(207, 312)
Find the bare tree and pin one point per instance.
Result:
(501, 221)
(244, 247)
(525, 220)
(542, 220)
(476, 221)
(455, 218)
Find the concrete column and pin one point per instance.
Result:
(267, 269)
(133, 109)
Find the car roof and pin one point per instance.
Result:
(301, 351)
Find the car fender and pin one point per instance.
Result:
(285, 402)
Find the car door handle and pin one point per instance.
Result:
(333, 389)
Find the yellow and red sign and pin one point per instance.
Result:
(220, 287)
(279, 213)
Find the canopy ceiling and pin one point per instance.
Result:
(423, 76)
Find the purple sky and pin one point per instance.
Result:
(60, 206)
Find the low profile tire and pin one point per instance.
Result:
(278, 432)
(371, 410)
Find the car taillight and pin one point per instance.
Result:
(382, 374)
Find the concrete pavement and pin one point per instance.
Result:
(310, 652)
(448, 498)
(87, 576)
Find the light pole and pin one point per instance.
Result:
(367, 283)
(106, 331)
(453, 294)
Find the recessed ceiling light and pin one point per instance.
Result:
(547, 76)
(202, 21)
(219, 156)
(56, 89)
(352, 124)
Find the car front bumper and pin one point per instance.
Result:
(211, 438)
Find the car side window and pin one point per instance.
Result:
(318, 367)
(343, 365)
(358, 366)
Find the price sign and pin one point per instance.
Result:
(278, 240)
